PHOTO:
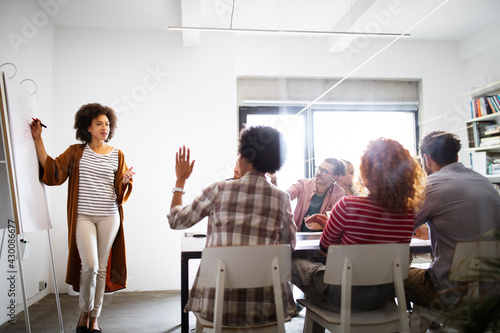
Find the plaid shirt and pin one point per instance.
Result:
(246, 211)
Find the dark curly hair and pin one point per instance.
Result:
(392, 176)
(264, 147)
(87, 113)
(441, 146)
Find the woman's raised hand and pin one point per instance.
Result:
(183, 167)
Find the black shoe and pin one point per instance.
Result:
(435, 325)
(98, 330)
(81, 329)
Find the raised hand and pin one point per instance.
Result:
(183, 168)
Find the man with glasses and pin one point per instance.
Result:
(317, 196)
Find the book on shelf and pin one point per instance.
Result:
(485, 105)
(477, 130)
(493, 164)
(494, 105)
(484, 163)
(489, 141)
(493, 169)
(491, 104)
(496, 99)
(473, 135)
(492, 130)
(478, 162)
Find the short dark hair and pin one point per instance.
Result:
(338, 166)
(441, 146)
(264, 147)
(87, 113)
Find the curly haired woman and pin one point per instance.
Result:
(395, 184)
(245, 211)
(99, 183)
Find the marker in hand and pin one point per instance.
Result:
(38, 121)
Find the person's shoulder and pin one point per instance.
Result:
(356, 199)
(337, 189)
(455, 171)
(77, 146)
(301, 184)
(305, 181)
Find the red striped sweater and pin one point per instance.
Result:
(358, 220)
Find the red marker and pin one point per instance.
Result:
(38, 120)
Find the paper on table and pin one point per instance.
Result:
(307, 244)
(418, 241)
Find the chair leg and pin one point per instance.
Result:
(199, 328)
(414, 320)
(308, 323)
(418, 323)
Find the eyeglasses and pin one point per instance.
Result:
(322, 171)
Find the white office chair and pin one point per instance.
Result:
(466, 261)
(244, 267)
(363, 265)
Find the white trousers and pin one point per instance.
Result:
(94, 238)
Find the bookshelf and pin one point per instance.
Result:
(483, 131)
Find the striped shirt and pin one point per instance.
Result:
(246, 211)
(96, 189)
(359, 220)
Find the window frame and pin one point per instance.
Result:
(308, 114)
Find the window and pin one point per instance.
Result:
(338, 132)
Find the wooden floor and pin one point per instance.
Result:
(123, 312)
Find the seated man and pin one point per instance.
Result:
(460, 205)
(317, 196)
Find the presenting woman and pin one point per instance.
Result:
(245, 211)
(99, 183)
(395, 183)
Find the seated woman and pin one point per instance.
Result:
(395, 189)
(245, 211)
(346, 181)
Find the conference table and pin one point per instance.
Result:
(307, 246)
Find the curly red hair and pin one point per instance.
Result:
(392, 176)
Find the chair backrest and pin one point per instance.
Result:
(247, 266)
(468, 259)
(373, 264)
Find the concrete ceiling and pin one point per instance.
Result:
(455, 20)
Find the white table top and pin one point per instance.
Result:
(305, 240)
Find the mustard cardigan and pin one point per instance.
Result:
(55, 172)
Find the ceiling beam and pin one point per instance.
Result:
(352, 21)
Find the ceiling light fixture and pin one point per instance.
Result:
(300, 32)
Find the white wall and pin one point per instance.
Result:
(436, 64)
(26, 39)
(191, 102)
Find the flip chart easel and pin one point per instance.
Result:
(22, 197)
